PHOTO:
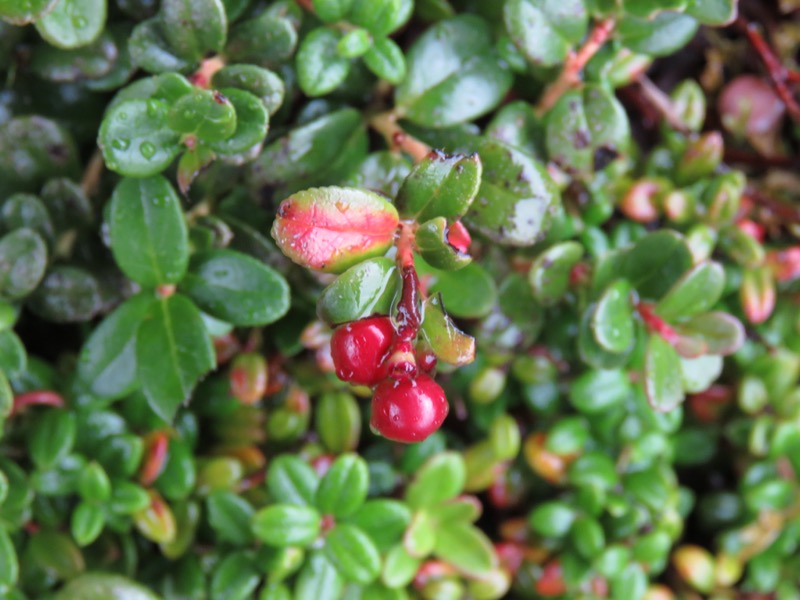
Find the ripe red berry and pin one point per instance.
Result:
(359, 350)
(408, 410)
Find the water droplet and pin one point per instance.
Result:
(148, 150)
(80, 22)
(120, 144)
(122, 116)
(153, 108)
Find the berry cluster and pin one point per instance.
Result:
(407, 404)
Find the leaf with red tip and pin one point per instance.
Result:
(722, 333)
(330, 229)
(449, 343)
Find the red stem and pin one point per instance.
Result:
(408, 313)
(779, 74)
(37, 398)
(656, 324)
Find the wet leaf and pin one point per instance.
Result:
(331, 229)
(465, 547)
(365, 289)
(664, 390)
(697, 291)
(287, 525)
(662, 35)
(720, 333)
(266, 40)
(549, 275)
(194, 28)
(23, 261)
(612, 322)
(320, 69)
(545, 31)
(319, 579)
(87, 62)
(448, 343)
(433, 244)
(386, 60)
(262, 83)
(591, 352)
(467, 293)
(21, 12)
(208, 115)
(73, 23)
(353, 554)
(343, 488)
(67, 295)
(252, 123)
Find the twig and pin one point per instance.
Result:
(386, 125)
(570, 75)
(743, 157)
(786, 212)
(662, 103)
(91, 175)
(779, 74)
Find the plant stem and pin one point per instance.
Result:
(408, 311)
(91, 175)
(37, 398)
(570, 75)
(779, 74)
(662, 103)
(397, 139)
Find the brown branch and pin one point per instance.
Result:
(662, 103)
(743, 157)
(396, 138)
(779, 74)
(785, 211)
(570, 75)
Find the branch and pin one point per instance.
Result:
(570, 75)
(779, 74)
(662, 103)
(396, 138)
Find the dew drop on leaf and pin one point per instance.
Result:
(120, 144)
(147, 149)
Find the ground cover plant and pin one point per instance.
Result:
(388, 299)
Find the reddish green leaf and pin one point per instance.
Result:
(720, 332)
(449, 343)
(697, 291)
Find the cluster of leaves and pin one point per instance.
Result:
(619, 343)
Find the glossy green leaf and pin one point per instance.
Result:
(439, 479)
(208, 115)
(151, 51)
(173, 351)
(236, 288)
(353, 554)
(266, 40)
(69, 66)
(292, 480)
(365, 289)
(128, 498)
(697, 291)
(108, 358)
(612, 321)
(343, 489)
(194, 28)
(697, 374)
(230, 516)
(27, 210)
(136, 140)
(549, 275)
(73, 23)
(179, 475)
(386, 60)
(262, 83)
(23, 261)
(331, 229)
(713, 12)
(9, 563)
(236, 577)
(662, 364)
(380, 17)
(631, 582)
(354, 43)
(440, 186)
(104, 586)
(433, 244)
(67, 295)
(320, 69)
(655, 263)
(56, 554)
(590, 351)
(86, 523)
(718, 332)
(383, 520)
(584, 128)
(287, 525)
(319, 579)
(149, 237)
(469, 292)
(515, 199)
(399, 568)
(94, 485)
(21, 12)
(331, 11)
(597, 391)
(545, 30)
(660, 36)
(552, 519)
(465, 547)
(338, 422)
(52, 437)
(448, 343)
(252, 122)
(467, 68)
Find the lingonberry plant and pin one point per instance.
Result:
(399, 299)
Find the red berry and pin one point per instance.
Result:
(408, 410)
(359, 350)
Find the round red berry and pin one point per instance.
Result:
(408, 410)
(359, 350)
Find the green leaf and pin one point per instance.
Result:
(252, 123)
(338, 422)
(13, 359)
(9, 564)
(440, 186)
(236, 288)
(67, 295)
(420, 537)
(32, 150)
(655, 263)
(383, 520)
(465, 547)
(354, 43)
(353, 554)
(713, 12)
(663, 387)
(194, 28)
(208, 115)
(94, 485)
(319, 579)
(588, 537)
(719, 333)
(22, 12)
(590, 351)
(173, 351)
(27, 210)
(86, 523)
(386, 60)
(549, 275)
(660, 36)
(191, 163)
(51, 438)
(585, 127)
(267, 40)
(287, 525)
(149, 237)
(108, 358)
(433, 244)
(68, 66)
(448, 343)
(545, 30)
(73, 23)
(343, 489)
(612, 321)
(552, 519)
(380, 17)
(365, 289)
(631, 582)
(23, 261)
(466, 68)
(104, 586)
(597, 391)
(467, 293)
(260, 82)
(235, 577)
(399, 568)
(440, 478)
(292, 480)
(331, 229)
(320, 68)
(697, 291)
(331, 11)
(516, 197)
(697, 374)
(151, 51)
(135, 138)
